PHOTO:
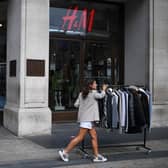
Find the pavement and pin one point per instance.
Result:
(120, 149)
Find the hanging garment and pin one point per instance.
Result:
(127, 109)
(147, 105)
(150, 108)
(115, 117)
(139, 117)
(123, 108)
(109, 110)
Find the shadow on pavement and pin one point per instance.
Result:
(62, 133)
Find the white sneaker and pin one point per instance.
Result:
(64, 156)
(99, 158)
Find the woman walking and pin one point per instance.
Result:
(87, 114)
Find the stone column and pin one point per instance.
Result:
(26, 111)
(159, 61)
(136, 67)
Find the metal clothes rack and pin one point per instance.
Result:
(143, 145)
(83, 148)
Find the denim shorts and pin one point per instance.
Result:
(86, 124)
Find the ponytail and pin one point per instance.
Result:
(86, 88)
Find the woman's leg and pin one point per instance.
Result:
(93, 135)
(76, 140)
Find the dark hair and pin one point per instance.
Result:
(87, 88)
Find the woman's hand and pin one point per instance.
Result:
(104, 87)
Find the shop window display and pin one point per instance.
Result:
(64, 74)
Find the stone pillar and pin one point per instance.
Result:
(159, 61)
(136, 67)
(26, 111)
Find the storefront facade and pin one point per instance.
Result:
(52, 47)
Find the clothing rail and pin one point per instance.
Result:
(118, 86)
(123, 85)
(83, 148)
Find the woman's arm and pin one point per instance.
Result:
(99, 95)
(102, 94)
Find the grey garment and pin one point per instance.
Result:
(115, 117)
(123, 108)
(88, 107)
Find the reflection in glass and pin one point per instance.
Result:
(98, 63)
(64, 74)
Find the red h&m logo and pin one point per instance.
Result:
(76, 19)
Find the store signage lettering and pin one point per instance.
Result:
(78, 20)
